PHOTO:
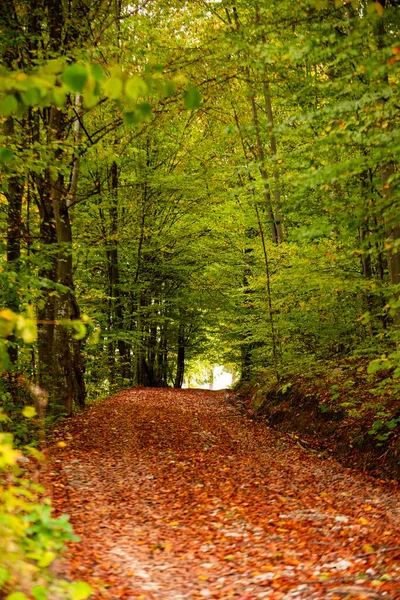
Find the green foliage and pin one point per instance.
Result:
(30, 537)
(384, 427)
(75, 77)
(174, 220)
(192, 97)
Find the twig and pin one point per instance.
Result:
(393, 549)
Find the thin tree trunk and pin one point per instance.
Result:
(263, 171)
(73, 184)
(180, 357)
(277, 181)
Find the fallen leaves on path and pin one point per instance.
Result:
(177, 496)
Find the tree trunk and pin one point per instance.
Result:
(13, 249)
(180, 357)
(115, 289)
(264, 174)
(67, 358)
(277, 181)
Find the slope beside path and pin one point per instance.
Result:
(177, 496)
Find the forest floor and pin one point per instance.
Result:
(175, 496)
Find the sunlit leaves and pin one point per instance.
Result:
(29, 412)
(80, 590)
(135, 87)
(23, 325)
(113, 87)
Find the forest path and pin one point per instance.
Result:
(177, 496)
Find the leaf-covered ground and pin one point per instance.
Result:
(176, 496)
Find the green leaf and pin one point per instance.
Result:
(77, 325)
(141, 113)
(113, 88)
(80, 590)
(29, 411)
(59, 95)
(144, 109)
(136, 87)
(17, 596)
(90, 98)
(6, 155)
(8, 105)
(192, 97)
(39, 592)
(97, 72)
(131, 118)
(32, 97)
(168, 88)
(94, 337)
(26, 328)
(80, 329)
(75, 77)
(47, 557)
(377, 424)
(55, 65)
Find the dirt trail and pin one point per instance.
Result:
(176, 496)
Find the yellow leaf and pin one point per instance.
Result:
(61, 444)
(203, 577)
(174, 523)
(379, 8)
(368, 548)
(7, 314)
(29, 412)
(363, 521)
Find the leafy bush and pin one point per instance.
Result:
(30, 537)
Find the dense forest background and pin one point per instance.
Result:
(196, 183)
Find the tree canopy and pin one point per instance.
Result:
(204, 179)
